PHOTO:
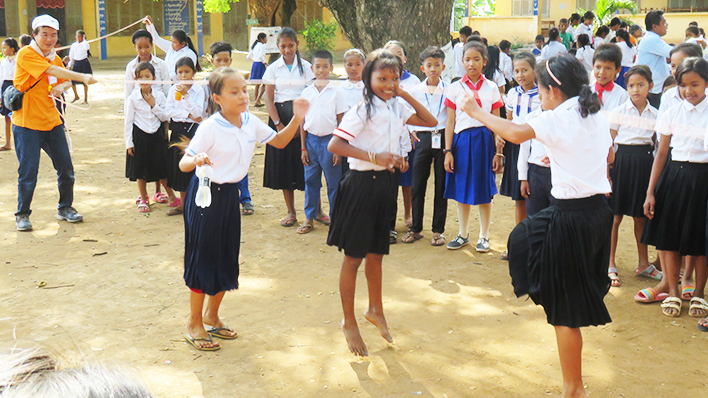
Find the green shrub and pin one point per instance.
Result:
(319, 35)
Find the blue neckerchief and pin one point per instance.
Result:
(405, 75)
(531, 93)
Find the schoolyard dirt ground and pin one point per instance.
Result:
(113, 292)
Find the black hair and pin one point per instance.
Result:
(323, 54)
(693, 23)
(260, 37)
(573, 80)
(624, 25)
(688, 49)
(583, 40)
(653, 18)
(670, 81)
(574, 17)
(553, 34)
(540, 37)
(185, 61)
(399, 44)
(609, 53)
(528, 57)
(145, 65)
(697, 65)
(703, 32)
(476, 38)
(694, 30)
(25, 40)
(589, 15)
(432, 52)
(182, 37)
(476, 32)
(492, 62)
(289, 33)
(602, 30)
(615, 21)
(622, 34)
(12, 43)
(466, 31)
(504, 45)
(220, 47)
(81, 32)
(634, 28)
(641, 70)
(377, 60)
(563, 20)
(484, 41)
(477, 46)
(141, 33)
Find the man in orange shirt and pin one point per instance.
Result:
(37, 125)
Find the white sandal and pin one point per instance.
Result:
(698, 303)
(673, 303)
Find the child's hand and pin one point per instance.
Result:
(449, 163)
(400, 92)
(305, 157)
(300, 108)
(336, 160)
(499, 141)
(89, 79)
(546, 161)
(131, 151)
(469, 105)
(57, 91)
(148, 20)
(197, 119)
(525, 189)
(202, 159)
(403, 165)
(388, 160)
(182, 89)
(149, 98)
(498, 164)
(649, 206)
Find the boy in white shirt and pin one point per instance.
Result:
(325, 113)
(465, 32)
(607, 63)
(505, 64)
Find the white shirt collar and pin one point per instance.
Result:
(700, 107)
(568, 104)
(349, 85)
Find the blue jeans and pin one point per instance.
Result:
(320, 160)
(244, 196)
(28, 143)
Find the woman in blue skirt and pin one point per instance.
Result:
(258, 56)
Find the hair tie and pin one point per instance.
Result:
(548, 68)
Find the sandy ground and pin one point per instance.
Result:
(114, 292)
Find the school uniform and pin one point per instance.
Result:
(408, 82)
(78, 59)
(681, 194)
(320, 123)
(7, 74)
(532, 169)
(520, 103)
(559, 256)
(473, 149)
(611, 95)
(631, 170)
(628, 54)
(181, 126)
(572, 32)
(171, 56)
(362, 210)
(162, 73)
(669, 99)
(552, 49)
(353, 92)
(212, 235)
(258, 56)
(283, 168)
(585, 55)
(457, 55)
(584, 29)
(506, 65)
(145, 133)
(598, 41)
(430, 151)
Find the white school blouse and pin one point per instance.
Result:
(584, 29)
(632, 127)
(325, 105)
(171, 56)
(258, 53)
(552, 49)
(193, 103)
(288, 83)
(162, 73)
(613, 98)
(353, 92)
(434, 103)
(585, 56)
(598, 41)
(230, 148)
(686, 124)
(577, 148)
(506, 66)
(628, 53)
(524, 105)
(78, 52)
(669, 99)
(384, 131)
(138, 112)
(457, 55)
(485, 92)
(7, 67)
(408, 81)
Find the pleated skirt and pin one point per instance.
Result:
(473, 181)
(82, 66)
(176, 178)
(630, 176)
(559, 258)
(212, 239)
(283, 168)
(257, 71)
(150, 160)
(510, 184)
(362, 212)
(679, 223)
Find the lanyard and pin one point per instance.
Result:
(427, 100)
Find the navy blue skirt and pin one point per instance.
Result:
(630, 176)
(212, 239)
(4, 111)
(510, 184)
(473, 181)
(406, 179)
(257, 71)
(176, 179)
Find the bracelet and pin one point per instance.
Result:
(499, 154)
(447, 150)
(372, 157)
(304, 149)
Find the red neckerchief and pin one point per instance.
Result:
(600, 89)
(474, 87)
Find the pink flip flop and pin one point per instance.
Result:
(160, 197)
(649, 295)
(176, 203)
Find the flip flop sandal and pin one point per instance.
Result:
(176, 203)
(216, 332)
(304, 229)
(649, 273)
(324, 220)
(160, 197)
(248, 209)
(687, 290)
(191, 340)
(649, 295)
(288, 221)
(614, 276)
(673, 303)
(4, 148)
(439, 241)
(143, 206)
(702, 328)
(392, 238)
(174, 211)
(698, 303)
(411, 238)
(505, 255)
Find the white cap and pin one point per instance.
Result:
(45, 20)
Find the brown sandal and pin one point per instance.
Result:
(305, 228)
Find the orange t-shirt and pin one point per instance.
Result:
(633, 40)
(38, 111)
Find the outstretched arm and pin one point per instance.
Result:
(506, 129)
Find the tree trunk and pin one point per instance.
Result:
(369, 24)
(286, 12)
(263, 10)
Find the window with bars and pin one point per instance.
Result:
(524, 8)
(587, 5)
(687, 5)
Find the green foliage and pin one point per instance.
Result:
(483, 8)
(605, 10)
(515, 43)
(319, 35)
(216, 6)
(458, 8)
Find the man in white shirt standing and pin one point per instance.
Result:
(653, 52)
(505, 63)
(465, 32)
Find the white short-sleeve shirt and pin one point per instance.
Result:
(521, 103)
(628, 53)
(485, 92)
(531, 151)
(686, 124)
(384, 131)
(193, 103)
(230, 148)
(353, 92)
(577, 148)
(584, 29)
(613, 98)
(552, 49)
(325, 105)
(288, 83)
(162, 73)
(78, 52)
(506, 66)
(585, 56)
(258, 53)
(408, 80)
(632, 127)
(7, 67)
(669, 99)
(434, 103)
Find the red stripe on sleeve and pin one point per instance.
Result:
(450, 104)
(497, 105)
(343, 134)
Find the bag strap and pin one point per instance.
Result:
(31, 87)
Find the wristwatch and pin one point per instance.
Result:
(276, 122)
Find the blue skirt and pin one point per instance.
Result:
(257, 71)
(473, 181)
(5, 84)
(406, 179)
(620, 79)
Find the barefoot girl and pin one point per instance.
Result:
(185, 107)
(678, 193)
(7, 72)
(178, 47)
(146, 159)
(226, 141)
(559, 256)
(469, 148)
(374, 137)
(78, 62)
(258, 56)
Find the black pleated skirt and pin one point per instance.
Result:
(176, 179)
(510, 184)
(361, 213)
(283, 168)
(212, 239)
(630, 175)
(559, 258)
(3, 110)
(82, 66)
(149, 161)
(679, 223)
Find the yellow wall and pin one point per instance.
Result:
(495, 29)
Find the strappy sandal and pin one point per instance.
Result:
(248, 209)
(671, 303)
(288, 221)
(143, 206)
(392, 238)
(160, 197)
(650, 272)
(411, 237)
(687, 292)
(324, 219)
(614, 277)
(438, 240)
(305, 228)
(698, 304)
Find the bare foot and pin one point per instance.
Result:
(85, 102)
(198, 332)
(75, 99)
(354, 340)
(380, 322)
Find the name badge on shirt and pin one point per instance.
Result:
(436, 139)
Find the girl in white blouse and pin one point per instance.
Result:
(178, 47)
(7, 73)
(257, 55)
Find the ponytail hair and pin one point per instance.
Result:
(289, 33)
(182, 37)
(553, 34)
(260, 37)
(622, 34)
(492, 62)
(571, 78)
